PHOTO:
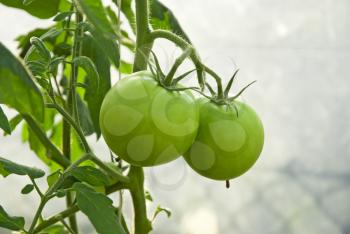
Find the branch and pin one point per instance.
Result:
(47, 196)
(71, 121)
(142, 224)
(183, 44)
(72, 210)
(143, 45)
(114, 173)
(56, 218)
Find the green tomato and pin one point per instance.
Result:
(226, 145)
(145, 124)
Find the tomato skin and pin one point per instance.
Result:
(145, 124)
(226, 145)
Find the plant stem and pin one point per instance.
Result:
(178, 62)
(72, 219)
(36, 187)
(143, 48)
(53, 188)
(143, 44)
(217, 79)
(72, 102)
(38, 213)
(72, 108)
(183, 44)
(73, 209)
(56, 218)
(142, 224)
(67, 226)
(71, 121)
(109, 170)
(55, 153)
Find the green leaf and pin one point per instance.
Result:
(10, 222)
(91, 175)
(163, 18)
(53, 66)
(4, 123)
(63, 15)
(148, 196)
(91, 72)
(92, 82)
(109, 46)
(61, 193)
(84, 117)
(37, 55)
(43, 9)
(125, 67)
(53, 177)
(97, 15)
(98, 208)
(34, 142)
(62, 49)
(15, 121)
(94, 97)
(51, 34)
(40, 46)
(160, 209)
(27, 189)
(17, 88)
(7, 167)
(24, 40)
(128, 12)
(55, 229)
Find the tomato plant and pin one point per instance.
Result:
(60, 87)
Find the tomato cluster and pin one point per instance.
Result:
(147, 124)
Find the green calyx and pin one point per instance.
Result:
(169, 81)
(221, 97)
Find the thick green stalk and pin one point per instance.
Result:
(72, 109)
(143, 44)
(142, 224)
(183, 44)
(143, 48)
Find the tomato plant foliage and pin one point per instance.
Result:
(60, 87)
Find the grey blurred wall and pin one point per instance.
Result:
(299, 51)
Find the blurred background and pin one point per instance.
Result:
(299, 51)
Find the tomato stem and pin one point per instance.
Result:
(143, 45)
(217, 79)
(142, 224)
(143, 48)
(72, 105)
(169, 78)
(183, 44)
